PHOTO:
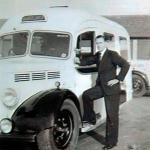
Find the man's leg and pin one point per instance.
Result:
(112, 120)
(88, 97)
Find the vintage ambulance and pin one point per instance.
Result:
(41, 84)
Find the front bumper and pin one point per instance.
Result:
(15, 137)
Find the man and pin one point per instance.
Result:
(107, 86)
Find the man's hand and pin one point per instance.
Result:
(112, 82)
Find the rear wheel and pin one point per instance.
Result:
(139, 87)
(64, 134)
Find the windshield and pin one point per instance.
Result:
(50, 44)
(13, 44)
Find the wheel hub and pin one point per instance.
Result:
(63, 129)
(137, 85)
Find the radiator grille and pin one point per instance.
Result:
(22, 77)
(52, 75)
(39, 76)
(36, 76)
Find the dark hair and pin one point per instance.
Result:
(100, 36)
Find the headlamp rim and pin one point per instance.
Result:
(10, 121)
(13, 93)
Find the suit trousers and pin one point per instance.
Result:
(112, 111)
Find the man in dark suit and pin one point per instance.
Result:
(107, 86)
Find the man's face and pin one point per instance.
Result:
(100, 44)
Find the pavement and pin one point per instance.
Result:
(134, 130)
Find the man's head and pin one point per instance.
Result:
(100, 43)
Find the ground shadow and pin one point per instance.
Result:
(98, 137)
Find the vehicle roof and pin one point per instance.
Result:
(58, 18)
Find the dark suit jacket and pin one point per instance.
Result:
(107, 68)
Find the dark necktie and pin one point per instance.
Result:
(100, 56)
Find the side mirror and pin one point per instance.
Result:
(77, 52)
(77, 56)
(77, 60)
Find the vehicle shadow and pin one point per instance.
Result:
(92, 134)
(18, 146)
(98, 137)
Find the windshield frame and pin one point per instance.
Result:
(51, 31)
(27, 47)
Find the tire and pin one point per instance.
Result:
(64, 135)
(139, 87)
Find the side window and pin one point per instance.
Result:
(13, 44)
(85, 48)
(50, 44)
(85, 43)
(109, 38)
(123, 47)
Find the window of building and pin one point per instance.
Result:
(131, 46)
(141, 48)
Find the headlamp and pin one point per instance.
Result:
(6, 125)
(10, 98)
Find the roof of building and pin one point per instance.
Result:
(136, 25)
(2, 21)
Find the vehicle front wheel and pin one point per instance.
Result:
(65, 132)
(139, 87)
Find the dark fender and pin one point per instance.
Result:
(142, 75)
(34, 114)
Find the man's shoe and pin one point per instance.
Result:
(86, 127)
(109, 146)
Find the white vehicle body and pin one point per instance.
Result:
(23, 75)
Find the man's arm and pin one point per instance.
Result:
(88, 60)
(122, 63)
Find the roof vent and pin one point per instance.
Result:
(33, 18)
(59, 6)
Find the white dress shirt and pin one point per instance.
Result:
(102, 53)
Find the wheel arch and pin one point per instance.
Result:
(143, 76)
(35, 111)
(70, 95)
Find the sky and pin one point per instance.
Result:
(101, 7)
(114, 7)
